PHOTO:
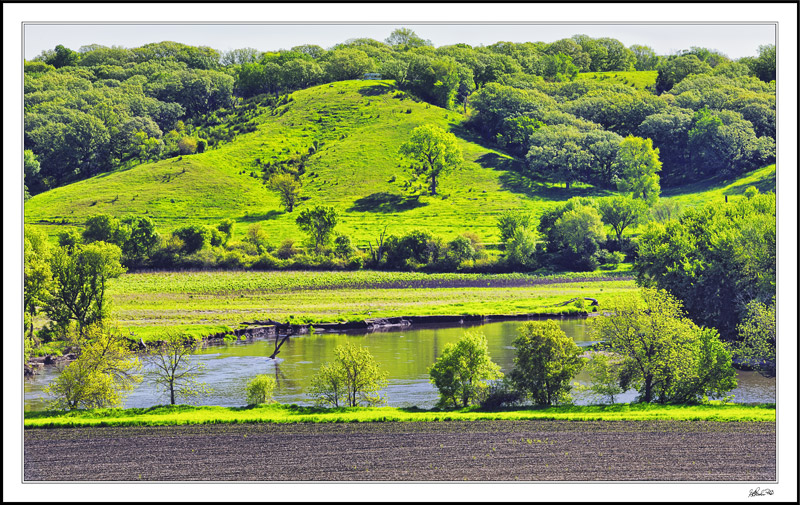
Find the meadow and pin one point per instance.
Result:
(201, 303)
(635, 79)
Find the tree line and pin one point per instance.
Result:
(101, 108)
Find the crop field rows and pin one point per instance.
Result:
(441, 451)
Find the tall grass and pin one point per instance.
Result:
(184, 414)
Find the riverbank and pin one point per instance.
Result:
(276, 413)
(540, 450)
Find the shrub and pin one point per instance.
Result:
(194, 237)
(287, 249)
(266, 261)
(260, 390)
(343, 246)
(501, 394)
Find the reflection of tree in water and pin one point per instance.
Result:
(279, 376)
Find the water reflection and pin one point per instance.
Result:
(406, 355)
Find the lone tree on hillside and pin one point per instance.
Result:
(433, 152)
(319, 223)
(287, 187)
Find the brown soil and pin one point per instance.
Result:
(435, 451)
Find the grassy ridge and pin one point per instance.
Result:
(184, 414)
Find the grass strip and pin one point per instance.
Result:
(277, 413)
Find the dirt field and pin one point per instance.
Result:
(436, 451)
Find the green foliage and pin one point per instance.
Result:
(171, 368)
(665, 356)
(260, 389)
(194, 237)
(100, 377)
(287, 187)
(461, 372)
(509, 221)
(433, 153)
(318, 223)
(353, 379)
(637, 163)
(80, 278)
(521, 249)
(603, 370)
(621, 212)
(545, 362)
(716, 259)
(757, 333)
(343, 246)
(37, 275)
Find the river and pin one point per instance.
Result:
(405, 354)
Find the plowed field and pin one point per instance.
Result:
(435, 451)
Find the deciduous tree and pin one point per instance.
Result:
(171, 368)
(545, 361)
(637, 164)
(353, 379)
(462, 370)
(433, 153)
(287, 187)
(319, 223)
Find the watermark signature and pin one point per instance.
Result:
(760, 492)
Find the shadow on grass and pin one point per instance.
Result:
(386, 203)
(379, 88)
(265, 216)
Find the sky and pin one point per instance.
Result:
(734, 40)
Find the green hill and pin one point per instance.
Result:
(349, 132)
(635, 79)
(358, 127)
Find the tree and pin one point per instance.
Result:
(260, 389)
(36, 273)
(79, 283)
(665, 356)
(715, 259)
(319, 223)
(510, 221)
(406, 38)
(30, 166)
(142, 239)
(287, 187)
(757, 332)
(171, 368)
(637, 163)
(104, 373)
(674, 70)
(257, 236)
(557, 152)
(462, 371)
(621, 212)
(353, 379)
(433, 153)
(194, 237)
(546, 360)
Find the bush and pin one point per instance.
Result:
(266, 261)
(194, 237)
(260, 390)
(343, 246)
(501, 394)
(287, 249)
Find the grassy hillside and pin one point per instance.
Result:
(638, 80)
(353, 130)
(358, 127)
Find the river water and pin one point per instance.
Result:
(405, 354)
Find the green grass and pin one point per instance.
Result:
(208, 302)
(184, 414)
(636, 79)
(359, 126)
(715, 190)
